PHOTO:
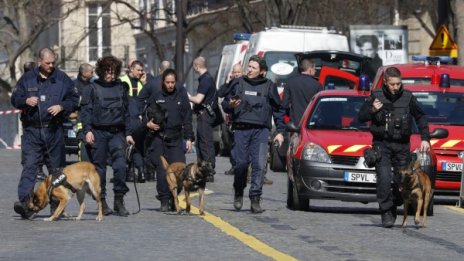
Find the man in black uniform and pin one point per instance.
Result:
(168, 132)
(252, 102)
(391, 110)
(83, 81)
(300, 89)
(46, 97)
(205, 105)
(106, 121)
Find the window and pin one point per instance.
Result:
(99, 25)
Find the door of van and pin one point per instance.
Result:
(331, 78)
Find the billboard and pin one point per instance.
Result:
(387, 44)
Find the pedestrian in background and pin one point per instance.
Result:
(46, 96)
(252, 102)
(136, 80)
(83, 81)
(391, 111)
(167, 136)
(236, 73)
(205, 108)
(106, 121)
(300, 89)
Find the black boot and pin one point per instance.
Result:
(119, 207)
(22, 209)
(164, 205)
(387, 219)
(238, 202)
(141, 176)
(106, 209)
(255, 207)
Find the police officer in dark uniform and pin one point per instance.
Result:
(300, 89)
(168, 131)
(205, 105)
(391, 110)
(83, 81)
(252, 102)
(106, 122)
(46, 96)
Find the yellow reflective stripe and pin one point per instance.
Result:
(331, 148)
(450, 143)
(354, 148)
(432, 142)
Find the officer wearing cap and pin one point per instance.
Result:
(252, 102)
(106, 122)
(391, 110)
(46, 97)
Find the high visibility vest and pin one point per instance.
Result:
(126, 79)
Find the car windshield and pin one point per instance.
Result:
(337, 113)
(419, 80)
(281, 66)
(442, 108)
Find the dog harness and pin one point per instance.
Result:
(60, 181)
(194, 184)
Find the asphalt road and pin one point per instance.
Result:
(331, 230)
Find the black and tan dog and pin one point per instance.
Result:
(81, 178)
(191, 177)
(415, 186)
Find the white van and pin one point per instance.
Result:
(231, 55)
(278, 47)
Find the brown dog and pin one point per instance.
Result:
(191, 177)
(82, 177)
(416, 186)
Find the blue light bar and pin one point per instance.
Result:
(432, 59)
(241, 36)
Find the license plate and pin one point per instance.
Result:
(360, 177)
(451, 166)
(71, 134)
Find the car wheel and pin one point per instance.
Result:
(225, 142)
(294, 201)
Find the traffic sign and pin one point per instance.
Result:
(443, 44)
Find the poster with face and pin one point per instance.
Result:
(385, 44)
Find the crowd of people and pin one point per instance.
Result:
(117, 111)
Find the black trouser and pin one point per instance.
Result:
(173, 152)
(396, 155)
(205, 142)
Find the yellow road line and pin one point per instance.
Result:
(232, 231)
(458, 209)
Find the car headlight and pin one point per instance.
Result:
(461, 154)
(315, 152)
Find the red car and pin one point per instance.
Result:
(440, 90)
(325, 156)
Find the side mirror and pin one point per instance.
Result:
(439, 133)
(291, 127)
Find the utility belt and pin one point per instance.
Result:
(246, 126)
(112, 129)
(167, 135)
(41, 125)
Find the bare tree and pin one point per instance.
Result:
(23, 22)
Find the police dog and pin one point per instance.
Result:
(416, 185)
(191, 177)
(81, 178)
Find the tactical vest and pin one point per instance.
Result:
(108, 104)
(393, 122)
(254, 107)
